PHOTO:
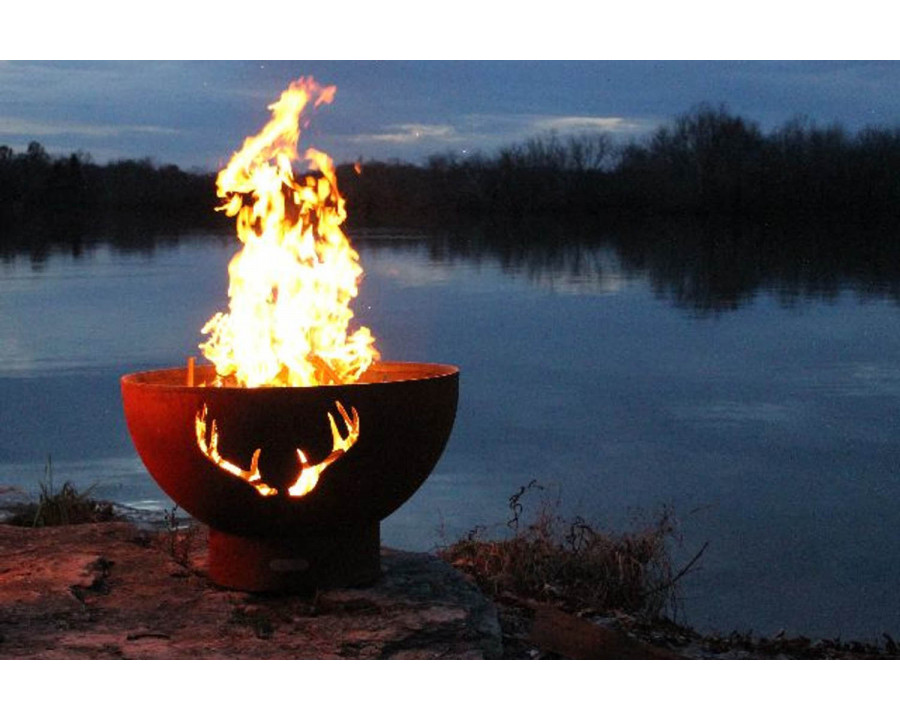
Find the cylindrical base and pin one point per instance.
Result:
(336, 557)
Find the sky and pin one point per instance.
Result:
(195, 114)
(415, 79)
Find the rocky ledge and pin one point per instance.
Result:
(112, 590)
(121, 590)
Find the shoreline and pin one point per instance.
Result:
(532, 629)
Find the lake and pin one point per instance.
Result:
(751, 390)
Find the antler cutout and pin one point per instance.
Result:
(309, 474)
(211, 451)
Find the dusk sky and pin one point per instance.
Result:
(196, 113)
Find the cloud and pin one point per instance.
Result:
(515, 127)
(585, 123)
(481, 132)
(407, 133)
(42, 128)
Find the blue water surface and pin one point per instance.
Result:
(768, 430)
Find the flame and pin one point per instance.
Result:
(291, 284)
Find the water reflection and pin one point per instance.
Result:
(704, 267)
(46, 235)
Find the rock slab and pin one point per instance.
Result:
(111, 590)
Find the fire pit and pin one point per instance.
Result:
(276, 541)
(296, 441)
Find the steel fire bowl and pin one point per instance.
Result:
(406, 412)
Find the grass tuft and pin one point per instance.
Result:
(182, 537)
(66, 506)
(573, 565)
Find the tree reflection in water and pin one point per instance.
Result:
(705, 267)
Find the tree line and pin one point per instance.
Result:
(33, 182)
(707, 161)
(704, 162)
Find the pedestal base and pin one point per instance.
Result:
(337, 557)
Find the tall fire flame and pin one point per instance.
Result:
(291, 284)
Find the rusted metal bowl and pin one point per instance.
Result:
(329, 536)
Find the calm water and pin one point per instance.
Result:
(760, 409)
